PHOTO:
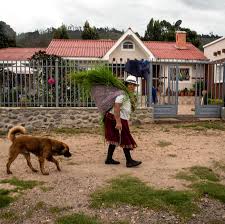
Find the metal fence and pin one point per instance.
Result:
(203, 83)
(47, 83)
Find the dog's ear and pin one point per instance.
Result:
(57, 148)
(66, 151)
(66, 147)
(60, 148)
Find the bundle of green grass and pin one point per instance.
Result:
(107, 84)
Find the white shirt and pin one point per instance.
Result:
(125, 108)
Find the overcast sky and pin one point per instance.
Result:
(203, 16)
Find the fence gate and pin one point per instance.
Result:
(164, 80)
(209, 89)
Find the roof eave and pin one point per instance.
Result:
(83, 58)
(188, 61)
(120, 40)
(213, 42)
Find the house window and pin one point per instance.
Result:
(219, 52)
(215, 53)
(128, 45)
(218, 73)
(183, 75)
(223, 50)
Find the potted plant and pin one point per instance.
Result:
(24, 101)
(179, 93)
(192, 92)
(182, 92)
(185, 91)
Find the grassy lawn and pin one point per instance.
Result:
(75, 131)
(163, 143)
(5, 198)
(197, 173)
(186, 176)
(8, 216)
(204, 181)
(215, 125)
(204, 173)
(20, 185)
(57, 210)
(78, 219)
(130, 190)
(219, 165)
(213, 190)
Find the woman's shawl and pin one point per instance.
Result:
(104, 96)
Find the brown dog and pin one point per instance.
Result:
(43, 148)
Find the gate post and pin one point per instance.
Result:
(177, 87)
(223, 89)
(149, 85)
(57, 82)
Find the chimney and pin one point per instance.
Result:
(181, 40)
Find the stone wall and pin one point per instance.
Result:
(50, 118)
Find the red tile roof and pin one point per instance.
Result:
(18, 54)
(167, 50)
(98, 48)
(79, 48)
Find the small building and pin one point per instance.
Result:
(129, 47)
(17, 54)
(215, 52)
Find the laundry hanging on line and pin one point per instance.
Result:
(138, 68)
(141, 68)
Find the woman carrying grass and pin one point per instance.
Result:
(115, 101)
(117, 131)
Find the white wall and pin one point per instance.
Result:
(199, 72)
(137, 53)
(215, 46)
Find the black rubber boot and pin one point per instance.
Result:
(109, 159)
(130, 162)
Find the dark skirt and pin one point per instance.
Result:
(112, 135)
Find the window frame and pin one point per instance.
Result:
(189, 71)
(127, 49)
(218, 73)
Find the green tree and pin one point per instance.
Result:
(165, 31)
(154, 30)
(150, 30)
(192, 37)
(89, 33)
(138, 34)
(61, 33)
(34, 39)
(7, 36)
(159, 31)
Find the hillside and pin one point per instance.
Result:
(43, 38)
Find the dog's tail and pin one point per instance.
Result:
(13, 131)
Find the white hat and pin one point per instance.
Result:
(131, 79)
